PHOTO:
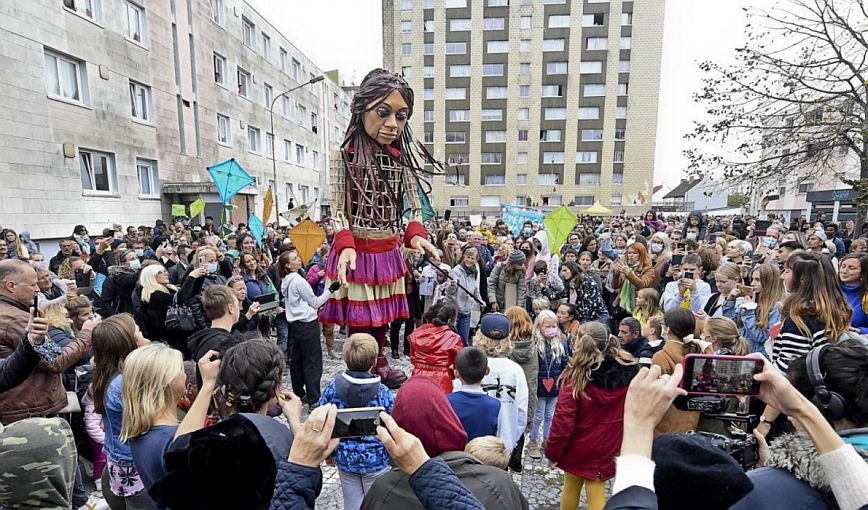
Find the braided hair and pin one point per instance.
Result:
(250, 374)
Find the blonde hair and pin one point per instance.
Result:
(665, 255)
(491, 347)
(771, 294)
(520, 324)
(594, 345)
(725, 331)
(489, 450)
(149, 283)
(729, 271)
(541, 303)
(539, 340)
(57, 317)
(147, 387)
(652, 303)
(360, 352)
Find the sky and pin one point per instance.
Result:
(347, 35)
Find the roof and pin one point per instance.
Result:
(682, 189)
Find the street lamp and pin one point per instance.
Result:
(274, 138)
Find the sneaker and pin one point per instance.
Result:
(533, 450)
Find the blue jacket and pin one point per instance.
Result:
(477, 412)
(549, 368)
(854, 294)
(256, 286)
(116, 452)
(296, 487)
(359, 389)
(756, 336)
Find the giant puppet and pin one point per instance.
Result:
(375, 178)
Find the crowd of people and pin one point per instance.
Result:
(172, 364)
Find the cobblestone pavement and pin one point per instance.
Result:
(540, 485)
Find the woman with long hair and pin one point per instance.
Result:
(631, 275)
(725, 339)
(647, 306)
(113, 340)
(586, 429)
(568, 319)
(590, 245)
(435, 344)
(157, 296)
(17, 248)
(258, 284)
(661, 256)
(853, 274)
(507, 285)
(582, 291)
(723, 302)
(761, 310)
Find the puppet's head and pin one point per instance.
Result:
(380, 111)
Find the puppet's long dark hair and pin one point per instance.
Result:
(376, 86)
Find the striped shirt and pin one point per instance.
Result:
(792, 343)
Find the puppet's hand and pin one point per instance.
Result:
(348, 257)
(423, 245)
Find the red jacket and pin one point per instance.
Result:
(586, 433)
(433, 350)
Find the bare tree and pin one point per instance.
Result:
(794, 101)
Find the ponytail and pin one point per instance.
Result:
(691, 346)
(589, 352)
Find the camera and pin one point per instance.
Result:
(739, 444)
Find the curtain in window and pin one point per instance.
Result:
(51, 78)
(69, 80)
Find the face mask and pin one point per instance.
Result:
(140, 252)
(692, 236)
(551, 331)
(135, 264)
(211, 268)
(656, 247)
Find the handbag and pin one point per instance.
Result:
(179, 318)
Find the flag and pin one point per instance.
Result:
(229, 178)
(197, 207)
(179, 210)
(267, 204)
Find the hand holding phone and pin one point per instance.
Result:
(709, 374)
(357, 422)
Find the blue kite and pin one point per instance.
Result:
(255, 226)
(230, 178)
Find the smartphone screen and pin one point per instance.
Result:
(746, 290)
(357, 422)
(202, 261)
(689, 275)
(35, 305)
(707, 374)
(676, 260)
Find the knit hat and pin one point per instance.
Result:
(422, 409)
(494, 325)
(819, 233)
(690, 470)
(116, 243)
(517, 257)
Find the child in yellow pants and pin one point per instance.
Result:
(595, 490)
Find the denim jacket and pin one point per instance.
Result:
(116, 452)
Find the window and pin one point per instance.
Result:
(406, 49)
(618, 157)
(149, 178)
(140, 102)
(296, 70)
(591, 67)
(589, 179)
(248, 33)
(556, 68)
(523, 114)
(65, 77)
(458, 159)
(455, 4)
(623, 66)
(521, 159)
(626, 43)
(552, 91)
(595, 90)
(547, 179)
(459, 201)
(489, 114)
(493, 24)
(428, 49)
(491, 158)
(620, 134)
(428, 94)
(621, 112)
(524, 91)
(456, 93)
(553, 45)
(301, 111)
(492, 200)
(269, 144)
(455, 179)
(492, 70)
(622, 89)
(98, 172)
(586, 157)
(555, 114)
(584, 200)
(596, 43)
(269, 95)
(254, 140)
(407, 71)
(456, 137)
(92, 9)
(521, 199)
(593, 20)
(550, 135)
(553, 2)
(589, 113)
(429, 137)
(289, 192)
(428, 115)
(553, 158)
(805, 187)
(616, 201)
(495, 92)
(498, 46)
(592, 135)
(135, 23)
(495, 137)
(299, 154)
(315, 158)
(522, 135)
(220, 70)
(782, 190)
(459, 71)
(284, 60)
(498, 3)
(243, 83)
(287, 151)
(304, 191)
(521, 178)
(618, 178)
(266, 46)
(224, 130)
(526, 21)
(559, 21)
(429, 71)
(459, 24)
(453, 48)
(406, 5)
(459, 115)
(524, 45)
(406, 27)
(287, 109)
(524, 68)
(626, 18)
(429, 25)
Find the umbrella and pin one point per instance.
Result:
(559, 223)
(307, 237)
(229, 178)
(597, 210)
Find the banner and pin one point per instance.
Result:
(267, 204)
(515, 216)
(179, 210)
(197, 207)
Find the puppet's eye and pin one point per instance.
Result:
(383, 113)
(401, 116)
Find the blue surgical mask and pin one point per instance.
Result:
(212, 268)
(135, 264)
(140, 252)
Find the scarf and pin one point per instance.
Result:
(627, 297)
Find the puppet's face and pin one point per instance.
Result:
(385, 120)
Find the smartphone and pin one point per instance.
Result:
(688, 274)
(746, 290)
(81, 279)
(769, 242)
(447, 214)
(709, 374)
(712, 238)
(35, 313)
(676, 259)
(202, 261)
(357, 422)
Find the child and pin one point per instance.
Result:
(434, 346)
(360, 460)
(723, 335)
(476, 411)
(538, 305)
(653, 331)
(95, 433)
(647, 305)
(442, 284)
(553, 354)
(488, 450)
(505, 380)
(587, 428)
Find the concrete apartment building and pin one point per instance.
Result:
(110, 111)
(533, 102)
